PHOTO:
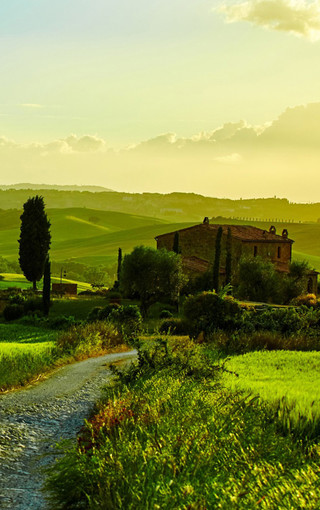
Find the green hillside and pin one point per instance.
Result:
(93, 236)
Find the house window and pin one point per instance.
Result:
(255, 251)
(279, 252)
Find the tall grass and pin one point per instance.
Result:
(26, 353)
(19, 363)
(167, 437)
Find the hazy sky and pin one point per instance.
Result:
(81, 80)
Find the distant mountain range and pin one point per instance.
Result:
(68, 187)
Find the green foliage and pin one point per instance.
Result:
(13, 312)
(168, 436)
(208, 311)
(228, 258)
(258, 281)
(83, 340)
(174, 326)
(176, 247)
(216, 263)
(155, 310)
(151, 275)
(35, 239)
(165, 314)
(127, 319)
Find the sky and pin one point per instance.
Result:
(217, 97)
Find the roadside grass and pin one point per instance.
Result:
(169, 435)
(20, 363)
(289, 380)
(28, 352)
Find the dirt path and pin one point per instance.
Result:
(34, 419)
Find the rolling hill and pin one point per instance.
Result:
(93, 236)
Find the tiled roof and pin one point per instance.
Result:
(195, 264)
(241, 232)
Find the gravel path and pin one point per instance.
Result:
(34, 419)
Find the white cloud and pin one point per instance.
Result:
(230, 159)
(299, 17)
(31, 105)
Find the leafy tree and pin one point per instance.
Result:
(46, 286)
(229, 257)
(258, 280)
(216, 264)
(119, 263)
(151, 275)
(35, 239)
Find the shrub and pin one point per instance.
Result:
(165, 314)
(208, 311)
(155, 310)
(33, 305)
(94, 314)
(62, 322)
(173, 326)
(86, 339)
(13, 312)
(127, 319)
(307, 300)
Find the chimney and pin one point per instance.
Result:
(272, 229)
(285, 233)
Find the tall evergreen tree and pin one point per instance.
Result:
(229, 257)
(119, 263)
(176, 247)
(35, 239)
(217, 257)
(46, 286)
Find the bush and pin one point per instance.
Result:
(127, 319)
(155, 310)
(13, 312)
(62, 322)
(208, 311)
(165, 314)
(309, 300)
(240, 342)
(33, 305)
(173, 326)
(283, 320)
(81, 340)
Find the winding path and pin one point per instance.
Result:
(34, 419)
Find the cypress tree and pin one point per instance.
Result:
(46, 286)
(35, 239)
(229, 257)
(176, 247)
(216, 264)
(119, 264)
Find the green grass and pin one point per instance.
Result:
(287, 379)
(25, 352)
(77, 307)
(168, 436)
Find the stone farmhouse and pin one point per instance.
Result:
(197, 248)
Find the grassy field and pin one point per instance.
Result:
(94, 236)
(287, 379)
(19, 281)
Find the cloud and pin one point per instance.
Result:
(233, 159)
(298, 17)
(31, 105)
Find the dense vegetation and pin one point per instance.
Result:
(195, 444)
